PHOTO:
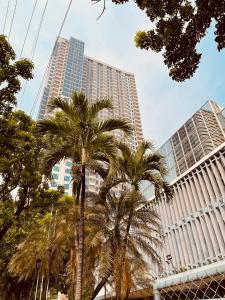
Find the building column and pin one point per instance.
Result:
(156, 294)
(219, 177)
(221, 167)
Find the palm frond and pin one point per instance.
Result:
(81, 105)
(99, 105)
(66, 106)
(142, 149)
(54, 156)
(53, 127)
(114, 124)
(168, 190)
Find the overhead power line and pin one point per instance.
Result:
(39, 91)
(39, 30)
(34, 47)
(13, 16)
(28, 27)
(46, 70)
(6, 16)
(64, 19)
(23, 92)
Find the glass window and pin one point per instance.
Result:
(168, 146)
(55, 176)
(175, 139)
(171, 160)
(221, 117)
(68, 163)
(53, 184)
(66, 178)
(68, 171)
(173, 174)
(162, 150)
(207, 107)
(56, 169)
(66, 186)
(190, 160)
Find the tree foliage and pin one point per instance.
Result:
(110, 216)
(77, 133)
(23, 197)
(10, 73)
(120, 228)
(179, 26)
(21, 170)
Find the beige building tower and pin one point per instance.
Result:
(103, 80)
(70, 70)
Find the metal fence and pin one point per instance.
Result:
(212, 287)
(207, 282)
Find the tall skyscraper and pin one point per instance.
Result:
(70, 70)
(194, 221)
(64, 71)
(102, 80)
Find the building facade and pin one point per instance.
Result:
(102, 80)
(64, 71)
(69, 70)
(193, 223)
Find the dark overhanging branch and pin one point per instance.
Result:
(103, 9)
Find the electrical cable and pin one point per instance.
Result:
(39, 90)
(14, 11)
(46, 70)
(28, 28)
(34, 47)
(39, 30)
(22, 95)
(64, 19)
(6, 16)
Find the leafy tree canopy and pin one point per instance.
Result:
(23, 196)
(21, 170)
(179, 27)
(10, 72)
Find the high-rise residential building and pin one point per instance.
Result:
(64, 71)
(102, 80)
(70, 70)
(193, 222)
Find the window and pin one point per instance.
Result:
(53, 184)
(56, 169)
(68, 164)
(66, 178)
(55, 176)
(68, 171)
(66, 186)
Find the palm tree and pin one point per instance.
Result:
(144, 164)
(77, 133)
(108, 216)
(46, 244)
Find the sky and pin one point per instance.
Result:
(164, 104)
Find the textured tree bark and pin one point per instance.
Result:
(101, 284)
(4, 229)
(122, 261)
(80, 254)
(106, 277)
(78, 193)
(6, 226)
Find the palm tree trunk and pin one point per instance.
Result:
(107, 275)
(101, 284)
(80, 255)
(122, 260)
(78, 193)
(127, 294)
